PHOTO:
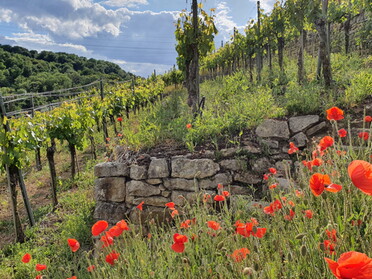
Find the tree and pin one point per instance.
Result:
(194, 37)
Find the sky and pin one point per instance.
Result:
(138, 35)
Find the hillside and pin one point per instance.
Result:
(31, 71)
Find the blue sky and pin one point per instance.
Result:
(138, 35)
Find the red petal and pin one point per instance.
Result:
(99, 227)
(334, 188)
(178, 247)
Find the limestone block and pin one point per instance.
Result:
(181, 184)
(300, 139)
(154, 181)
(211, 183)
(110, 189)
(271, 128)
(158, 168)
(153, 200)
(109, 169)
(316, 129)
(138, 172)
(187, 168)
(142, 189)
(247, 177)
(301, 123)
(240, 190)
(261, 165)
(233, 164)
(110, 212)
(181, 197)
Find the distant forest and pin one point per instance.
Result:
(23, 70)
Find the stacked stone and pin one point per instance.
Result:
(180, 179)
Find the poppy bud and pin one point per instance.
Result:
(303, 250)
(185, 260)
(300, 236)
(248, 271)
(220, 245)
(289, 257)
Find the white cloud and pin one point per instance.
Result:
(6, 15)
(125, 3)
(224, 22)
(267, 5)
(142, 69)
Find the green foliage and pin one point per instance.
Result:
(47, 71)
(360, 88)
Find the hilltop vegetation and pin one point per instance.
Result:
(31, 71)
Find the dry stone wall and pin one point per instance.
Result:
(121, 186)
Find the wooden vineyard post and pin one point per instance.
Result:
(15, 176)
(104, 124)
(38, 164)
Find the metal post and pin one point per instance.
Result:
(20, 175)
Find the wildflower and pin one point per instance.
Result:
(342, 133)
(332, 235)
(329, 246)
(320, 182)
(140, 206)
(355, 223)
(91, 268)
(39, 276)
(99, 227)
(26, 258)
(368, 118)
(219, 198)
(249, 229)
(188, 126)
(351, 265)
(179, 242)
(214, 225)
(290, 216)
(74, 244)
(272, 170)
(273, 207)
(335, 113)
(325, 142)
(174, 213)
(123, 225)
(308, 214)
(292, 148)
(119, 119)
(112, 257)
(219, 186)
(206, 197)
(120, 135)
(73, 277)
(360, 173)
(186, 224)
(107, 240)
(225, 193)
(299, 194)
(265, 177)
(170, 205)
(40, 267)
(273, 186)
(239, 254)
(363, 135)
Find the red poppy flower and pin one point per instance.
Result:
(292, 148)
(363, 135)
(179, 242)
(299, 194)
(272, 170)
(123, 225)
(225, 193)
(73, 277)
(266, 176)
(107, 240)
(120, 135)
(368, 118)
(120, 118)
(239, 254)
(332, 235)
(320, 182)
(26, 258)
(342, 133)
(219, 186)
(40, 267)
(249, 229)
(91, 268)
(329, 247)
(308, 214)
(317, 162)
(360, 173)
(174, 213)
(112, 257)
(290, 216)
(186, 224)
(273, 207)
(325, 142)
(140, 206)
(214, 225)
(39, 276)
(335, 113)
(219, 198)
(188, 126)
(273, 186)
(170, 205)
(351, 265)
(74, 244)
(206, 197)
(99, 227)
